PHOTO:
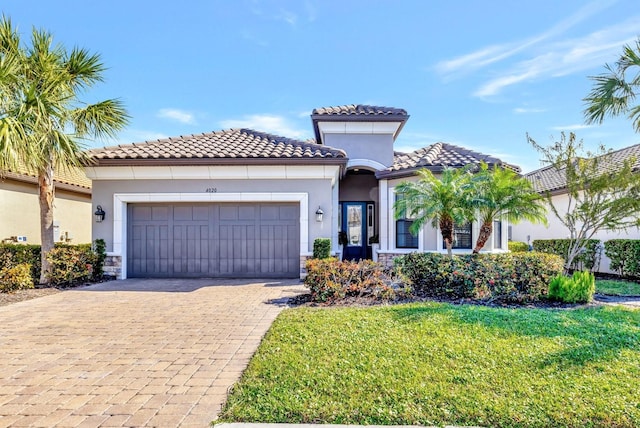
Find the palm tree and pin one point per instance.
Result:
(501, 193)
(612, 94)
(442, 200)
(43, 124)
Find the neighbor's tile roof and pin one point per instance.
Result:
(438, 156)
(359, 110)
(74, 177)
(227, 144)
(549, 179)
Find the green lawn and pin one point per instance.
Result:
(617, 288)
(437, 364)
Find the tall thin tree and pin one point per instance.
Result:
(44, 126)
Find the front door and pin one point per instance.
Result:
(354, 229)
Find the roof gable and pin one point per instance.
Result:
(350, 113)
(233, 145)
(436, 157)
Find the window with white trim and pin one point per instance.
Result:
(461, 237)
(497, 234)
(404, 238)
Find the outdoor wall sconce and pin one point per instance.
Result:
(99, 214)
(319, 214)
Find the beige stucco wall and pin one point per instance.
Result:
(556, 230)
(20, 213)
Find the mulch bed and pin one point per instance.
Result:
(22, 295)
(306, 300)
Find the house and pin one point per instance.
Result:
(242, 203)
(20, 209)
(549, 179)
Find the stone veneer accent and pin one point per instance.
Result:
(113, 266)
(303, 266)
(386, 259)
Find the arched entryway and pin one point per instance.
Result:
(358, 218)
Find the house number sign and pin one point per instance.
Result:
(211, 190)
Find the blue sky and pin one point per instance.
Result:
(480, 74)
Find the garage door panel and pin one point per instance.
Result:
(288, 213)
(160, 213)
(213, 240)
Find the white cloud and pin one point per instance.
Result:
(269, 123)
(491, 54)
(573, 127)
(288, 17)
(177, 115)
(566, 57)
(545, 55)
(526, 110)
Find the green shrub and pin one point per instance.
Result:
(99, 249)
(17, 277)
(578, 288)
(12, 255)
(518, 247)
(585, 260)
(624, 255)
(15, 254)
(70, 264)
(331, 279)
(321, 248)
(510, 277)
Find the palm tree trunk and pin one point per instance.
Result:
(446, 228)
(483, 236)
(46, 197)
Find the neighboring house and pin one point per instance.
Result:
(242, 203)
(548, 179)
(20, 209)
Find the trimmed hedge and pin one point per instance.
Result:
(70, 263)
(624, 255)
(510, 277)
(321, 248)
(518, 247)
(586, 260)
(330, 279)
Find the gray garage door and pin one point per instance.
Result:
(213, 240)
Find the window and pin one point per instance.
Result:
(497, 234)
(461, 237)
(404, 238)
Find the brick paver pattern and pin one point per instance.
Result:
(132, 353)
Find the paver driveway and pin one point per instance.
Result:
(132, 353)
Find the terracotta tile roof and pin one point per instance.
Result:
(74, 177)
(438, 156)
(549, 179)
(229, 144)
(359, 110)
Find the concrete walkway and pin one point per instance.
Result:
(132, 353)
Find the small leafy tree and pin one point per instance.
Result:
(603, 193)
(614, 92)
(501, 193)
(443, 200)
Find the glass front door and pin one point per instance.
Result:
(354, 230)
